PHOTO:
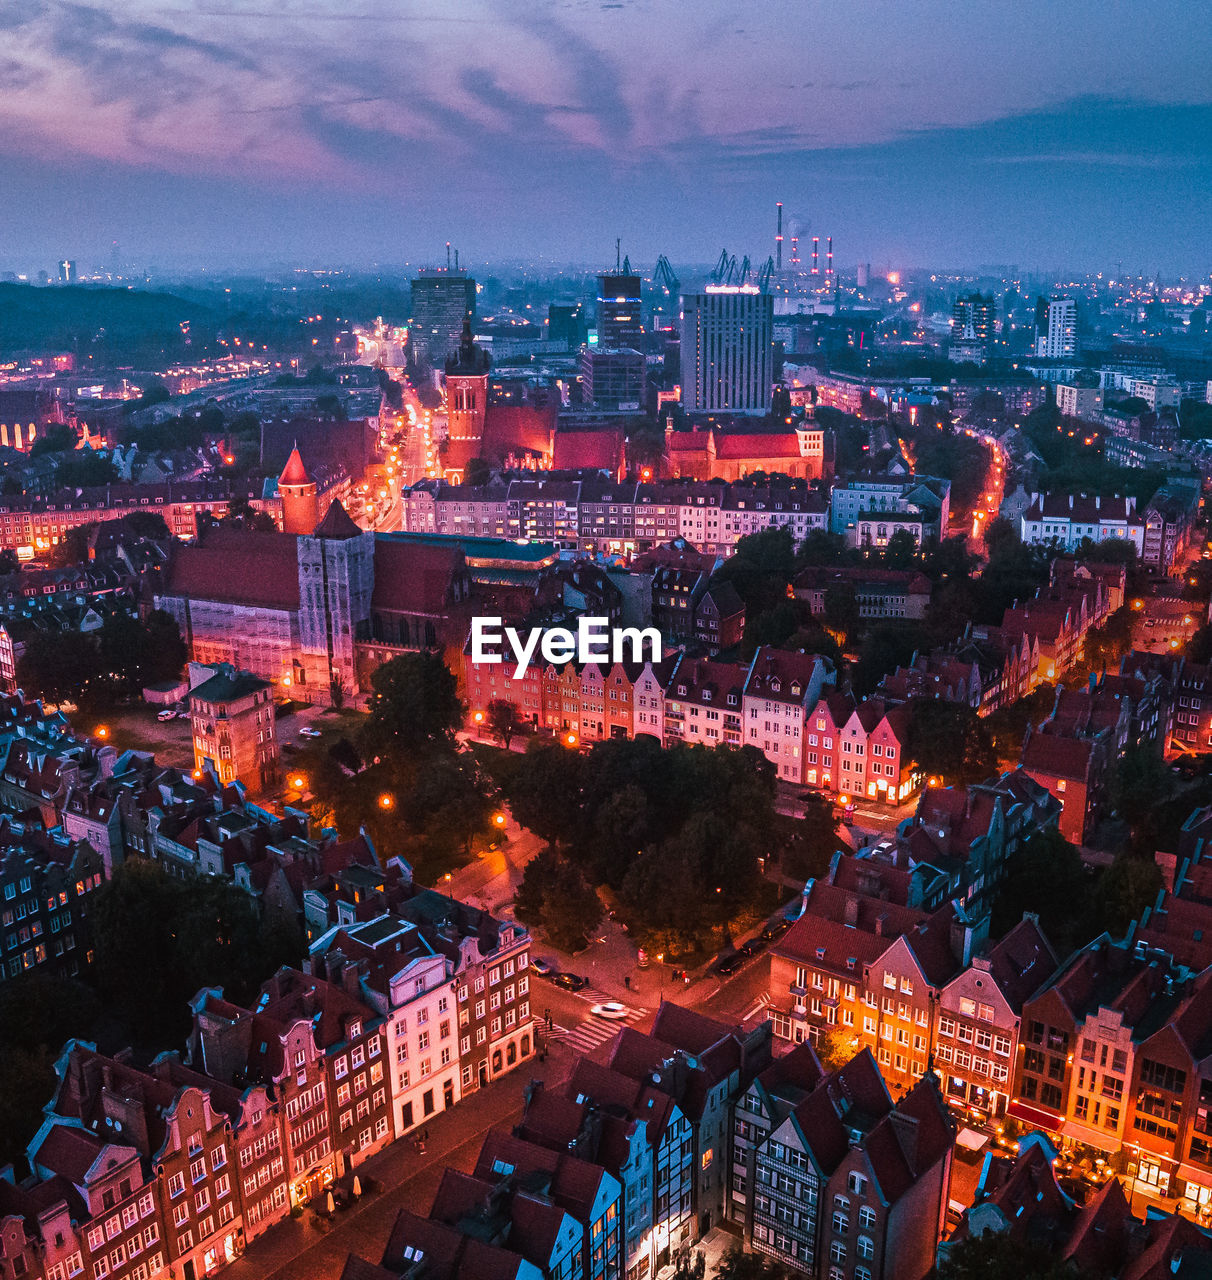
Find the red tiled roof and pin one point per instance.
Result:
(1061, 757)
(294, 472)
(735, 445)
(412, 577)
(233, 566)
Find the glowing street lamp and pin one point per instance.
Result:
(102, 731)
(298, 782)
(571, 739)
(387, 801)
(498, 819)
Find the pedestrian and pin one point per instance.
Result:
(627, 981)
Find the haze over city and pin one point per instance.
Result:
(916, 134)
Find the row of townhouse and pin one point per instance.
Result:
(591, 514)
(779, 702)
(663, 1136)
(33, 526)
(1037, 642)
(1020, 1198)
(177, 1166)
(891, 947)
(1161, 532)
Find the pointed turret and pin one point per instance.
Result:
(299, 496)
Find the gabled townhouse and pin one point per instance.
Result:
(780, 690)
(858, 749)
(503, 1212)
(587, 1191)
(100, 1201)
(279, 1052)
(1021, 1201)
(256, 1120)
(850, 1183)
(397, 973)
(1112, 1056)
(641, 1136)
(818, 968)
(489, 961)
(979, 1015)
(1074, 770)
(766, 1104)
(1066, 518)
(704, 702)
(180, 1137)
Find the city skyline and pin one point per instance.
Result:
(230, 134)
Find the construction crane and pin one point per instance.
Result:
(626, 266)
(664, 278)
(726, 269)
(762, 280)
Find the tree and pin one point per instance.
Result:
(544, 791)
(842, 611)
(414, 703)
(1046, 876)
(1124, 890)
(736, 1264)
(901, 551)
(836, 1047)
(478, 472)
(950, 741)
(807, 845)
(85, 469)
(58, 665)
(503, 720)
(555, 895)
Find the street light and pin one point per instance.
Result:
(299, 782)
(102, 731)
(386, 801)
(571, 739)
(498, 819)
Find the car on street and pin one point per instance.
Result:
(544, 968)
(611, 1009)
(752, 947)
(775, 928)
(308, 732)
(730, 963)
(166, 715)
(570, 981)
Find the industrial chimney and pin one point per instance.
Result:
(816, 254)
(778, 240)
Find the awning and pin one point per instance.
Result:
(972, 1140)
(1035, 1116)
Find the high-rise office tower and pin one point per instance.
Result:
(977, 310)
(727, 349)
(67, 271)
(1056, 328)
(620, 319)
(442, 299)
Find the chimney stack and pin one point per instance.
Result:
(816, 253)
(829, 257)
(778, 240)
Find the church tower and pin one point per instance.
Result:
(336, 582)
(300, 499)
(466, 405)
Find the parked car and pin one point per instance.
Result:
(570, 981)
(166, 715)
(775, 928)
(544, 968)
(730, 964)
(308, 732)
(611, 1009)
(752, 947)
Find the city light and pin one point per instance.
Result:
(387, 801)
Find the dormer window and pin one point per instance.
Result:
(355, 1030)
(776, 684)
(795, 689)
(706, 695)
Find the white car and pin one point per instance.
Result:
(166, 715)
(611, 1009)
(308, 732)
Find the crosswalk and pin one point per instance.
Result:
(587, 1035)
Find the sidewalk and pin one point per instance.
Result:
(298, 1248)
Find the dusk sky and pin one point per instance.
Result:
(915, 132)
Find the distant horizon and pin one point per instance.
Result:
(531, 129)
